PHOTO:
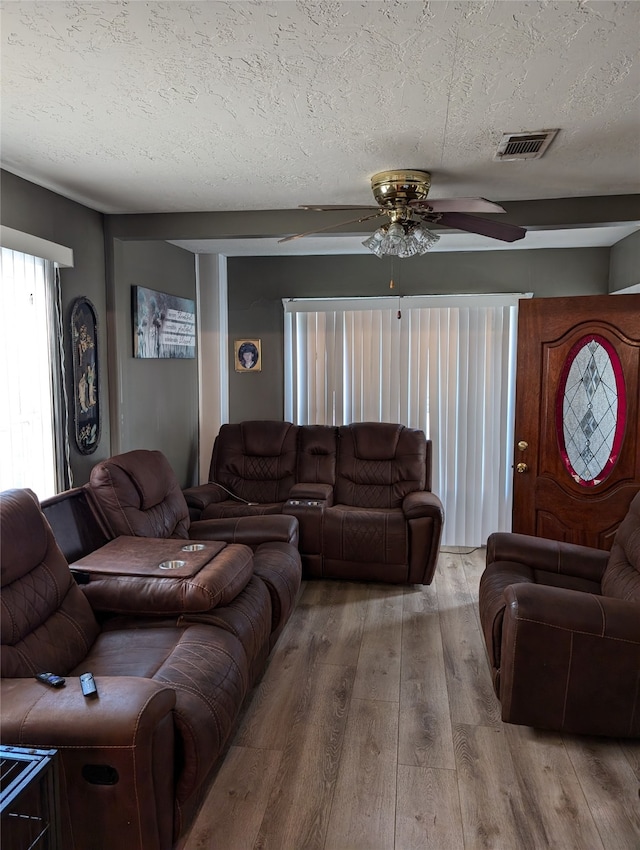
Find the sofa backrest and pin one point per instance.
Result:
(317, 449)
(256, 460)
(370, 464)
(47, 624)
(378, 464)
(139, 495)
(621, 578)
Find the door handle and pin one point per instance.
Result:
(521, 467)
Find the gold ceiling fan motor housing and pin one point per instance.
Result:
(393, 190)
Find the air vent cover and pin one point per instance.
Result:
(528, 145)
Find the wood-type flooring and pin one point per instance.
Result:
(375, 727)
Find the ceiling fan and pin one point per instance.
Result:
(401, 196)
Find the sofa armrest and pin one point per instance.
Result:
(203, 495)
(310, 491)
(117, 756)
(422, 503)
(251, 530)
(127, 710)
(570, 661)
(552, 556)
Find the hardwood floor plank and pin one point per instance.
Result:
(298, 811)
(494, 814)
(473, 564)
(425, 737)
(611, 789)
(551, 791)
(240, 791)
(363, 811)
(471, 696)
(428, 810)
(378, 671)
(337, 615)
(631, 750)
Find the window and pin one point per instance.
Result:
(29, 383)
(442, 364)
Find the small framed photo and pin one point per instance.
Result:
(247, 355)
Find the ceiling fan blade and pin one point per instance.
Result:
(467, 205)
(492, 229)
(338, 207)
(331, 226)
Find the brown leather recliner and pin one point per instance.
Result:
(134, 761)
(139, 495)
(561, 623)
(253, 468)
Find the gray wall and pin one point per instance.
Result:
(257, 285)
(32, 209)
(625, 263)
(155, 402)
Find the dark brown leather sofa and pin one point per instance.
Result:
(138, 494)
(561, 624)
(136, 760)
(361, 493)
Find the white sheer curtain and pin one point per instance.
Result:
(443, 364)
(28, 339)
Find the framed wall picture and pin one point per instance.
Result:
(86, 375)
(247, 355)
(163, 325)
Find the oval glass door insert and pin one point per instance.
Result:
(591, 410)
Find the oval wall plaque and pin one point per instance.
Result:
(591, 410)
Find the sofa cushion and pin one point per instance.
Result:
(256, 460)
(621, 577)
(379, 464)
(317, 449)
(365, 535)
(139, 495)
(47, 624)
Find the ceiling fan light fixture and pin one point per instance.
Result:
(401, 240)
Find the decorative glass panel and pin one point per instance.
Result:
(590, 410)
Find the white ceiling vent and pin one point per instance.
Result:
(529, 145)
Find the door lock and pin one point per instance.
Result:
(522, 445)
(521, 467)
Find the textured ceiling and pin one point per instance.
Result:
(190, 106)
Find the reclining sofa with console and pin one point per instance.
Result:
(174, 619)
(361, 494)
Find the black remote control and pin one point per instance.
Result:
(50, 679)
(88, 685)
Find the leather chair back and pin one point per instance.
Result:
(139, 495)
(47, 623)
(621, 577)
(378, 464)
(256, 460)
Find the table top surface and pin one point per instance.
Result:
(146, 556)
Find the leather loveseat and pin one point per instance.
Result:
(561, 623)
(171, 681)
(361, 493)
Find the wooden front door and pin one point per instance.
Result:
(577, 431)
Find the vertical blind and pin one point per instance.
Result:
(28, 455)
(442, 364)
